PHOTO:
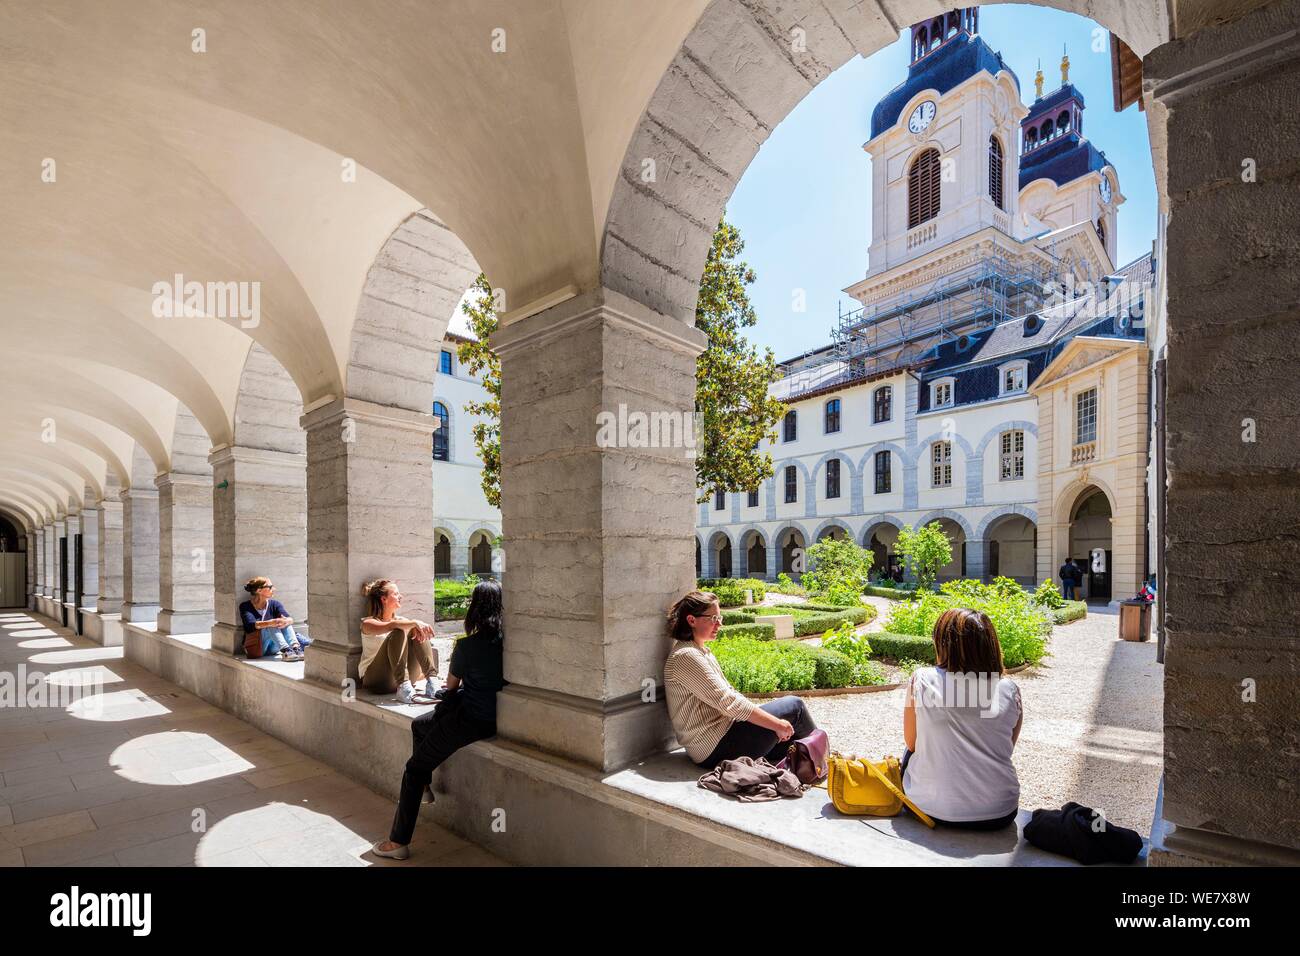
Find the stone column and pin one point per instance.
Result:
(56, 585)
(460, 560)
(33, 568)
(1232, 742)
(140, 555)
(184, 553)
(976, 559)
(109, 550)
(369, 515)
(601, 535)
(259, 519)
(37, 557)
(72, 527)
(90, 558)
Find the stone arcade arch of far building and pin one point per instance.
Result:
(600, 282)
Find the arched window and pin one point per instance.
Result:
(1045, 131)
(922, 44)
(1101, 229)
(995, 172)
(923, 189)
(936, 33)
(441, 435)
(791, 425)
(442, 556)
(1031, 138)
(1063, 123)
(882, 404)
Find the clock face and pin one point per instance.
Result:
(921, 117)
(1104, 188)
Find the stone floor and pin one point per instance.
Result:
(146, 774)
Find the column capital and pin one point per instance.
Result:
(242, 454)
(171, 479)
(595, 306)
(332, 413)
(135, 493)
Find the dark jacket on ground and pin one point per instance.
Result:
(1069, 831)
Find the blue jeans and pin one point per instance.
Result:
(276, 639)
(1067, 590)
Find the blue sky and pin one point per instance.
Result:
(804, 205)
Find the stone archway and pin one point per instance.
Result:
(1089, 538)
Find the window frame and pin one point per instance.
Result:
(751, 498)
(1022, 367)
(938, 383)
(445, 363)
(1079, 396)
(1013, 456)
(924, 187)
(887, 402)
(831, 414)
(832, 471)
(941, 464)
(791, 484)
(719, 499)
(790, 426)
(885, 475)
(997, 172)
(442, 434)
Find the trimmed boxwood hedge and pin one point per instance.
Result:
(760, 632)
(901, 646)
(737, 617)
(1073, 611)
(895, 594)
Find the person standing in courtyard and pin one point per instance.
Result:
(712, 720)
(268, 628)
(466, 712)
(1067, 573)
(961, 721)
(395, 652)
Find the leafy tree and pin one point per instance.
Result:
(840, 569)
(482, 361)
(732, 378)
(928, 549)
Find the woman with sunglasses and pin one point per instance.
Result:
(268, 628)
(714, 721)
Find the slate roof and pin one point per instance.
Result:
(1063, 160)
(955, 61)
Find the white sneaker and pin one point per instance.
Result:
(429, 689)
(401, 853)
(405, 692)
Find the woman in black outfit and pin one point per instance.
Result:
(466, 712)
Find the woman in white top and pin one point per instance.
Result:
(961, 720)
(395, 652)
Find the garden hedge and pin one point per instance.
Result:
(899, 647)
(1073, 611)
(731, 591)
(894, 594)
(760, 667)
(759, 632)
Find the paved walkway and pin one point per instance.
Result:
(1093, 729)
(147, 774)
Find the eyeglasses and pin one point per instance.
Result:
(707, 617)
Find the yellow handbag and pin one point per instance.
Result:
(863, 788)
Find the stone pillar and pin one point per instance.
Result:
(72, 528)
(32, 569)
(184, 553)
(90, 558)
(1232, 659)
(140, 555)
(108, 541)
(976, 559)
(37, 558)
(259, 519)
(369, 515)
(587, 517)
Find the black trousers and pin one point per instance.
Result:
(435, 737)
(750, 740)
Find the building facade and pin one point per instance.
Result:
(994, 376)
(466, 526)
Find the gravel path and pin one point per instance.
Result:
(1092, 730)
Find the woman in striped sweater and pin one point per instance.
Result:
(713, 721)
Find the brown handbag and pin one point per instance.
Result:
(806, 757)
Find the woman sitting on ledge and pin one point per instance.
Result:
(467, 712)
(268, 628)
(961, 720)
(395, 651)
(712, 720)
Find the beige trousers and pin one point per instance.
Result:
(398, 660)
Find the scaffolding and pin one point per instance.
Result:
(909, 329)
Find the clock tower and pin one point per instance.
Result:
(944, 150)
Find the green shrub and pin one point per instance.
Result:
(784, 585)
(893, 593)
(1070, 611)
(760, 667)
(928, 549)
(761, 632)
(833, 668)
(857, 648)
(450, 611)
(901, 647)
(731, 591)
(737, 617)
(839, 569)
(1021, 624)
(909, 665)
(1048, 596)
